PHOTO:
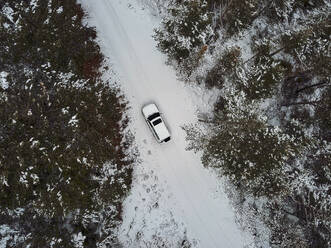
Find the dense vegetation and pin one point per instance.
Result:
(63, 165)
(270, 132)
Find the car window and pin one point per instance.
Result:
(158, 121)
(153, 116)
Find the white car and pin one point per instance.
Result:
(156, 123)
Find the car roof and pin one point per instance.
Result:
(161, 130)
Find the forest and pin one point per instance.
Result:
(65, 159)
(269, 134)
(64, 163)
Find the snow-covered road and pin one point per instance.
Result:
(168, 174)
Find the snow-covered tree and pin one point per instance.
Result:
(63, 164)
(250, 153)
(186, 28)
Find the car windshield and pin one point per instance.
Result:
(158, 121)
(153, 116)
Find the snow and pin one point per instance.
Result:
(3, 80)
(6, 233)
(73, 121)
(78, 240)
(59, 10)
(8, 12)
(173, 197)
(33, 4)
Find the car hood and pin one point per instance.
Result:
(149, 110)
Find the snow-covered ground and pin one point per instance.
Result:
(173, 196)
